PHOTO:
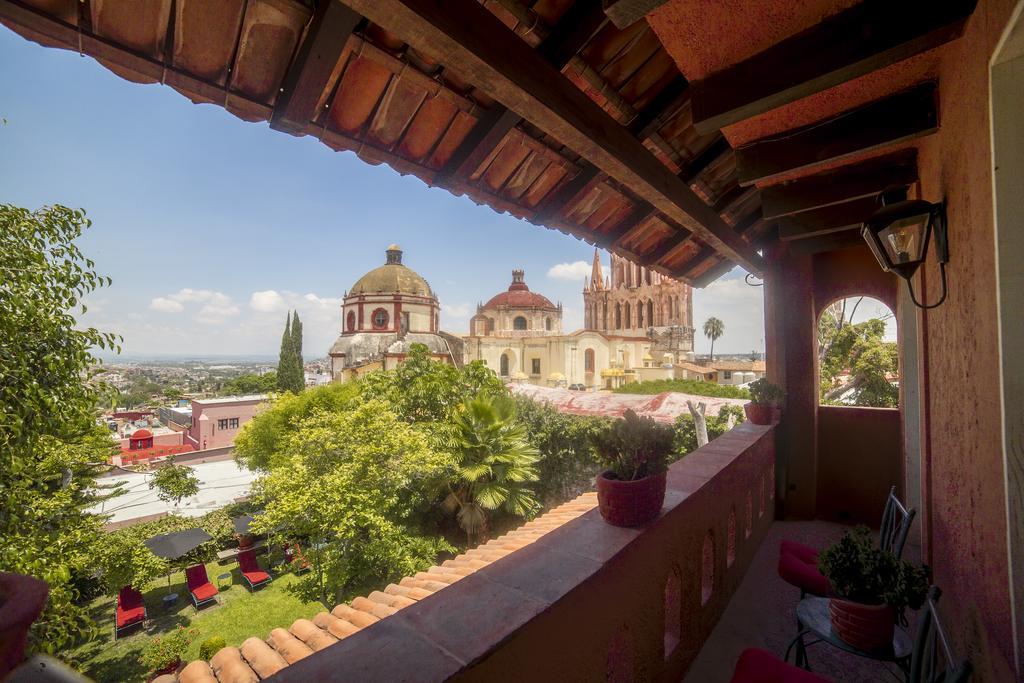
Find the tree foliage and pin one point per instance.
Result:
(51, 448)
(174, 482)
(349, 485)
(496, 464)
(686, 430)
(123, 560)
(290, 375)
(861, 350)
(247, 384)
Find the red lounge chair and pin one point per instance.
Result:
(130, 610)
(759, 666)
(798, 563)
(199, 586)
(251, 572)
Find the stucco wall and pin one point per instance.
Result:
(865, 440)
(963, 462)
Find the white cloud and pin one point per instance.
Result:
(574, 272)
(266, 301)
(455, 317)
(216, 305)
(162, 304)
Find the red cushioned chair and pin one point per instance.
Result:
(798, 563)
(130, 610)
(199, 586)
(760, 666)
(251, 572)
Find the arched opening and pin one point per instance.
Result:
(627, 318)
(618, 316)
(519, 323)
(650, 313)
(547, 323)
(707, 573)
(350, 321)
(858, 355)
(673, 610)
(504, 365)
(380, 319)
(588, 360)
(640, 314)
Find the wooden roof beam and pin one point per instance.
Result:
(676, 241)
(579, 23)
(661, 108)
(830, 219)
(711, 274)
(885, 123)
(568, 193)
(865, 38)
(625, 13)
(866, 179)
(832, 242)
(616, 237)
(709, 155)
(495, 59)
(314, 62)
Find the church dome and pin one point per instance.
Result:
(392, 277)
(519, 296)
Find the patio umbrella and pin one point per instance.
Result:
(173, 545)
(242, 524)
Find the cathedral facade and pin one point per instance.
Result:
(635, 301)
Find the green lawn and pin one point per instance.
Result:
(238, 615)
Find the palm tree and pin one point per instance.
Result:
(496, 464)
(713, 329)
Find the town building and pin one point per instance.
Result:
(385, 312)
(736, 371)
(519, 334)
(216, 421)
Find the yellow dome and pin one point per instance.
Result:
(392, 278)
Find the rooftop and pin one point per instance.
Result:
(230, 399)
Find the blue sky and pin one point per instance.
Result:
(211, 226)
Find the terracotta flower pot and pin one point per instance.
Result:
(866, 627)
(630, 503)
(760, 415)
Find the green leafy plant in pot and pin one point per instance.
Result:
(765, 398)
(163, 653)
(872, 588)
(635, 452)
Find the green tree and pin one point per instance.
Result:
(261, 444)
(123, 560)
(349, 485)
(51, 448)
(174, 482)
(861, 350)
(285, 360)
(251, 384)
(297, 343)
(686, 430)
(496, 464)
(713, 330)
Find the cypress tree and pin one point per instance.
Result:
(300, 373)
(284, 360)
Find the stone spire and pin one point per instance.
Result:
(596, 276)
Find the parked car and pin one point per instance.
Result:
(577, 387)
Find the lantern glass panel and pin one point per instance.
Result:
(904, 239)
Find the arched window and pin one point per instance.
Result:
(380, 319)
(504, 365)
(547, 324)
(618, 316)
(588, 360)
(350, 321)
(519, 323)
(627, 317)
(650, 313)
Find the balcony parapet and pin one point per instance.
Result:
(587, 601)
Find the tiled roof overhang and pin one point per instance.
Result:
(320, 69)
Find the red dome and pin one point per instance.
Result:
(142, 434)
(519, 296)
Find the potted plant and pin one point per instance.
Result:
(872, 588)
(764, 401)
(163, 653)
(635, 452)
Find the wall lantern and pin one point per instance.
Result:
(898, 235)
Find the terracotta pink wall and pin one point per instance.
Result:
(865, 440)
(206, 434)
(963, 475)
(174, 439)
